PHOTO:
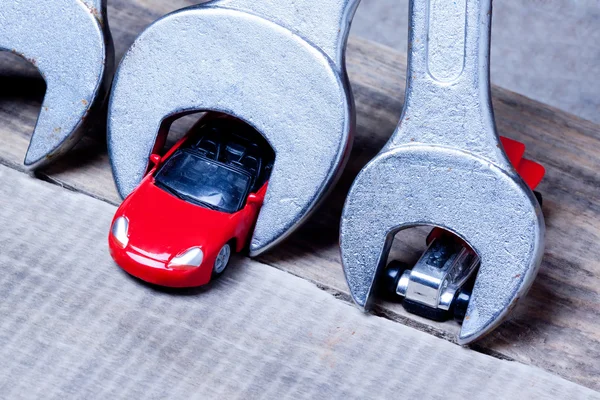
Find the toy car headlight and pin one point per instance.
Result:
(120, 231)
(191, 258)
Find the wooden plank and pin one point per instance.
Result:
(557, 327)
(72, 325)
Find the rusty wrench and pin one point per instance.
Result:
(444, 166)
(277, 65)
(70, 44)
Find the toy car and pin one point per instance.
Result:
(439, 285)
(196, 206)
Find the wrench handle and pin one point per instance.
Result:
(449, 44)
(448, 98)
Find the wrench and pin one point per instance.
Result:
(277, 65)
(444, 166)
(69, 42)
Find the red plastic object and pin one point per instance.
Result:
(514, 150)
(162, 226)
(531, 172)
(174, 227)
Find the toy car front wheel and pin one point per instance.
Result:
(222, 260)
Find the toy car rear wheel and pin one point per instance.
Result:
(222, 260)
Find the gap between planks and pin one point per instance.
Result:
(108, 335)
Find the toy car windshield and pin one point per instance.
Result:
(196, 179)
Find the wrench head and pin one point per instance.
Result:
(215, 59)
(69, 42)
(491, 209)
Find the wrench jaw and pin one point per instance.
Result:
(444, 166)
(224, 60)
(363, 256)
(76, 64)
(326, 25)
(488, 207)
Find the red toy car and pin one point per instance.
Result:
(196, 205)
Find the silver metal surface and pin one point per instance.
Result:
(120, 231)
(191, 258)
(444, 166)
(69, 42)
(277, 65)
(440, 272)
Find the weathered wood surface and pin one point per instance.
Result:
(557, 327)
(72, 325)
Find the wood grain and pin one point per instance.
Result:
(71, 328)
(556, 327)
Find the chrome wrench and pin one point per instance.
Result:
(70, 44)
(277, 65)
(444, 166)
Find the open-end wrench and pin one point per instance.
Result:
(69, 42)
(444, 166)
(277, 65)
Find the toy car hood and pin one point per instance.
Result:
(162, 225)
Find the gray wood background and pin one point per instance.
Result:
(74, 326)
(548, 50)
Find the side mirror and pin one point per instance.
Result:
(155, 159)
(255, 199)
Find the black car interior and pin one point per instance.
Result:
(236, 144)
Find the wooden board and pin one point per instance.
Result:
(72, 325)
(556, 327)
